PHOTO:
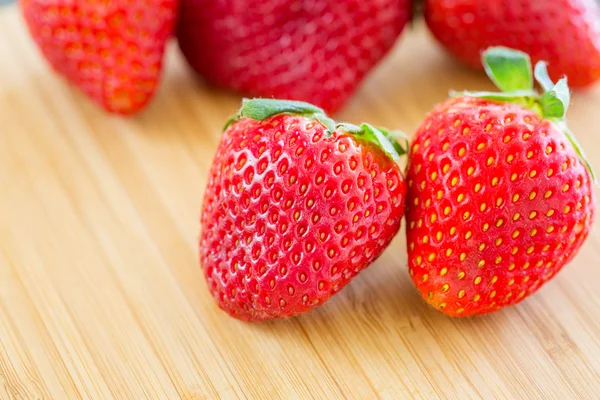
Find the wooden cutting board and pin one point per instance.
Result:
(101, 295)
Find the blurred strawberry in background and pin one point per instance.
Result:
(112, 50)
(317, 51)
(565, 33)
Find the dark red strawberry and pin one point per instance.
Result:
(316, 51)
(111, 50)
(500, 197)
(565, 33)
(295, 207)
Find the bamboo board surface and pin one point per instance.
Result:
(101, 295)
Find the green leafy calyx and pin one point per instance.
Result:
(511, 72)
(260, 109)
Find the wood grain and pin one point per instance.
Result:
(101, 296)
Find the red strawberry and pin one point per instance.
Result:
(111, 50)
(500, 197)
(295, 207)
(566, 33)
(312, 51)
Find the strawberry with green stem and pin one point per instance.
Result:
(296, 206)
(500, 194)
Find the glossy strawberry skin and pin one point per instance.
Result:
(313, 51)
(290, 216)
(565, 33)
(498, 203)
(113, 52)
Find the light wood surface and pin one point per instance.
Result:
(101, 295)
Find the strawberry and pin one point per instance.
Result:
(500, 196)
(111, 50)
(295, 207)
(566, 33)
(316, 51)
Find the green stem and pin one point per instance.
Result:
(260, 109)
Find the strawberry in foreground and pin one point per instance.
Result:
(565, 33)
(311, 51)
(296, 205)
(499, 194)
(112, 51)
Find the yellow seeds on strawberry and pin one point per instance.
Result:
(517, 209)
(296, 206)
